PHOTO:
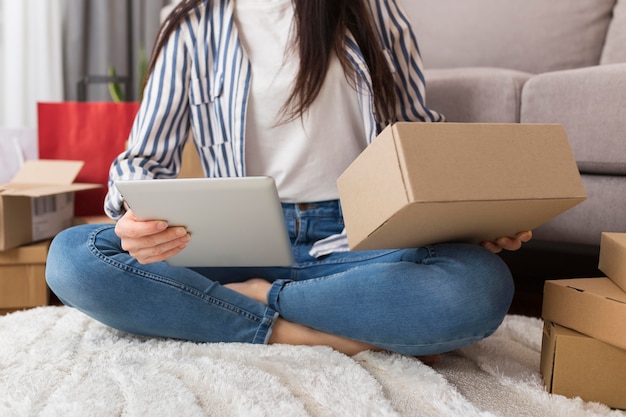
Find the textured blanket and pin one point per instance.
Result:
(55, 361)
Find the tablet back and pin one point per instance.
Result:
(232, 221)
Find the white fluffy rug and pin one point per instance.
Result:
(55, 361)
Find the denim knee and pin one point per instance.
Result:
(432, 300)
(68, 259)
(489, 283)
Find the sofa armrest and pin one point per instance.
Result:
(486, 95)
(591, 104)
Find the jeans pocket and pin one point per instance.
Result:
(327, 226)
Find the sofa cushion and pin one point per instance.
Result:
(486, 95)
(530, 35)
(615, 46)
(602, 211)
(591, 105)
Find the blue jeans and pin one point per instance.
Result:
(413, 301)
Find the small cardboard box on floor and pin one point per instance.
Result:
(584, 344)
(39, 202)
(22, 277)
(426, 183)
(576, 365)
(592, 306)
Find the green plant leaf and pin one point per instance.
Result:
(143, 67)
(115, 89)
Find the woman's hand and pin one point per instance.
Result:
(150, 241)
(508, 243)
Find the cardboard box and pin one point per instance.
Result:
(39, 202)
(425, 183)
(22, 277)
(191, 166)
(575, 365)
(613, 257)
(595, 307)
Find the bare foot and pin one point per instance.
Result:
(286, 332)
(255, 288)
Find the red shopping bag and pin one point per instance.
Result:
(93, 132)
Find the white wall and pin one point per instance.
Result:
(30, 59)
(2, 63)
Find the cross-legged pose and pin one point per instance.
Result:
(295, 90)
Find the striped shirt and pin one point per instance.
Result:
(200, 84)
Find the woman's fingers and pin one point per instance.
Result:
(150, 241)
(525, 236)
(508, 243)
(158, 247)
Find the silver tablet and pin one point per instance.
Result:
(232, 221)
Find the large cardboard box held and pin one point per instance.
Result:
(425, 183)
(39, 202)
(595, 307)
(22, 277)
(613, 257)
(575, 365)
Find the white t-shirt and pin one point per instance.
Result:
(305, 156)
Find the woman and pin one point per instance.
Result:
(293, 89)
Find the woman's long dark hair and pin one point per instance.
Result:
(320, 30)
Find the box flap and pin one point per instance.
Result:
(613, 257)
(546, 363)
(39, 178)
(15, 222)
(40, 190)
(49, 172)
(595, 287)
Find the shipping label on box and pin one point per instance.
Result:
(575, 365)
(613, 257)
(426, 183)
(51, 214)
(595, 307)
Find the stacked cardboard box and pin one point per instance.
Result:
(38, 202)
(22, 277)
(584, 342)
(36, 205)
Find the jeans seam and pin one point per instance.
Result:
(432, 251)
(264, 331)
(332, 276)
(277, 286)
(323, 261)
(167, 281)
(274, 292)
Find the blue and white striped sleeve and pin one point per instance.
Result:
(400, 44)
(162, 123)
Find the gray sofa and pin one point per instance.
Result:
(538, 61)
